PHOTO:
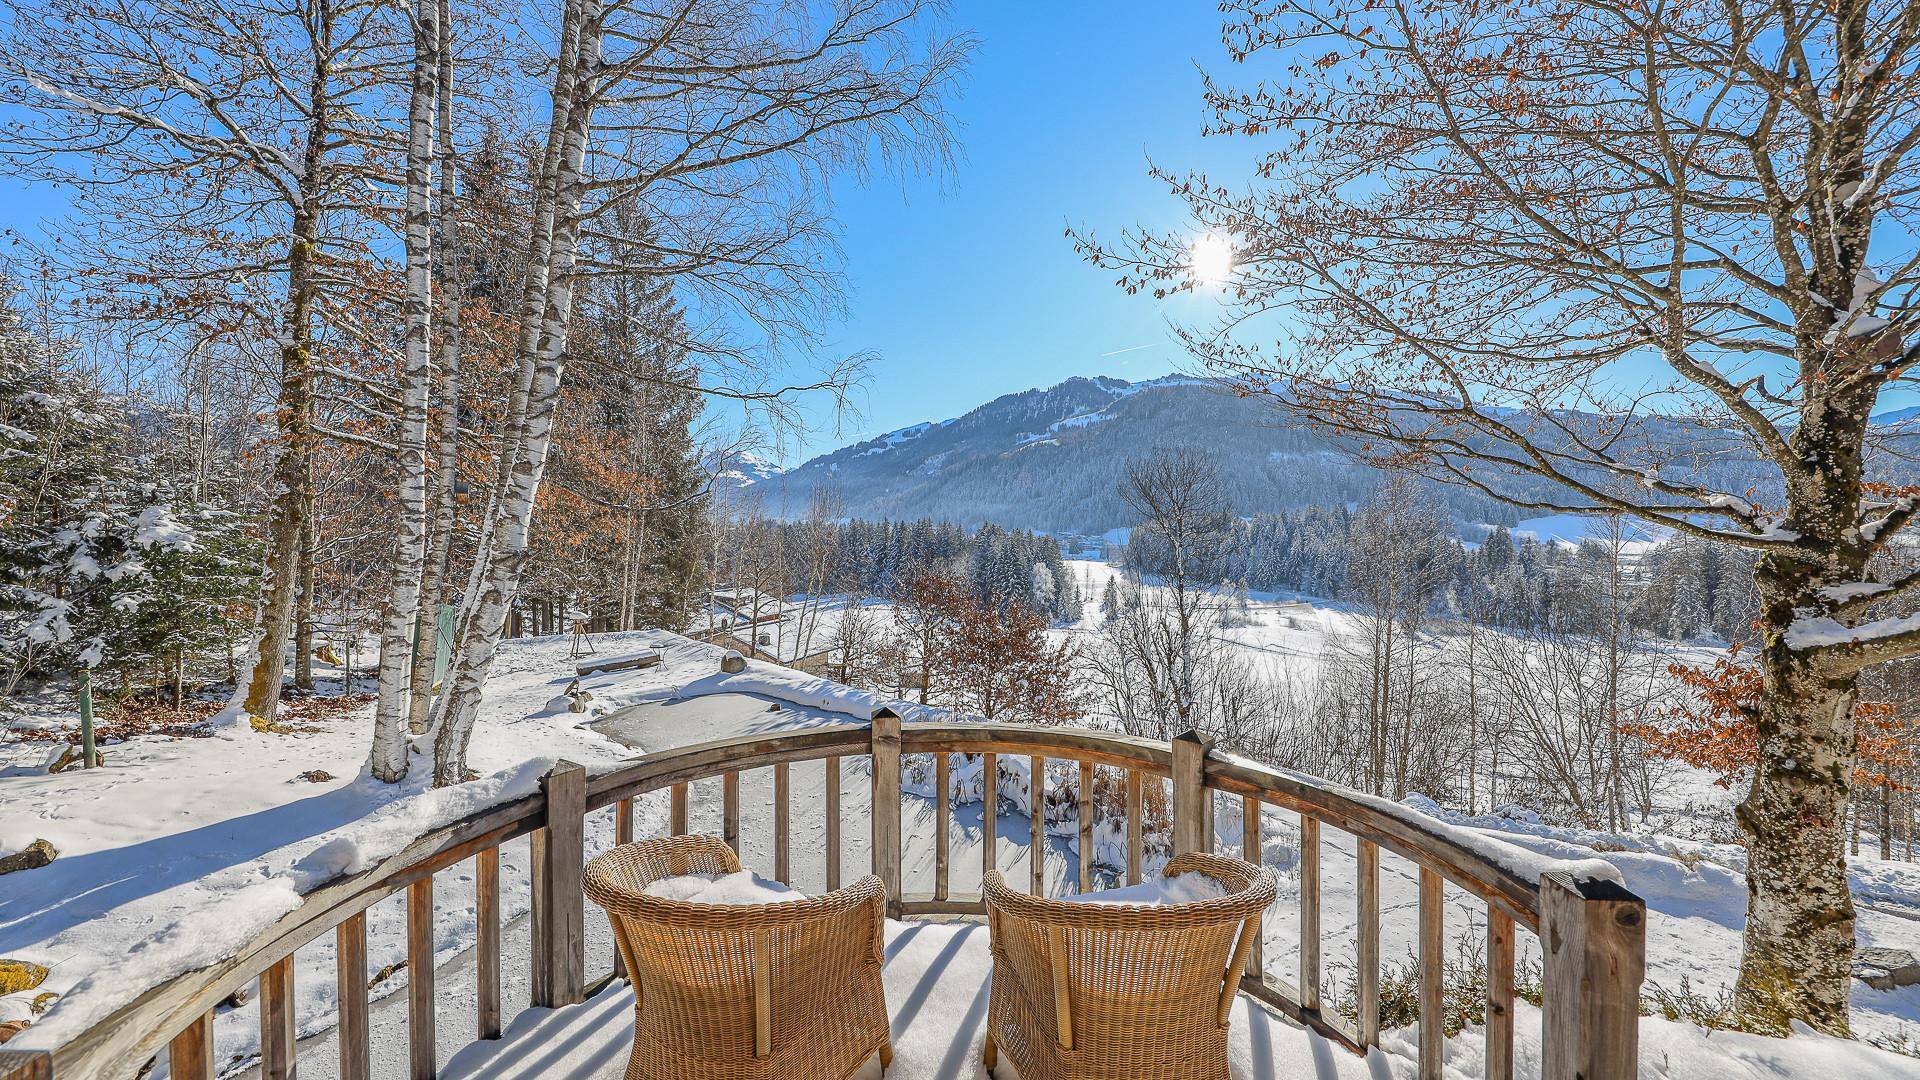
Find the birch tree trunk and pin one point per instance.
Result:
(389, 761)
(554, 239)
(436, 587)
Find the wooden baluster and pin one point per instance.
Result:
(486, 912)
(1499, 996)
(730, 810)
(1086, 827)
(1037, 820)
(782, 867)
(350, 986)
(622, 834)
(1250, 851)
(885, 732)
(1136, 826)
(1309, 913)
(677, 815)
(1594, 935)
(1192, 802)
(940, 841)
(277, 1050)
(989, 814)
(1367, 935)
(833, 823)
(190, 1054)
(420, 1034)
(1433, 972)
(559, 852)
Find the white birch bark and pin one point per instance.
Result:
(549, 309)
(435, 590)
(389, 761)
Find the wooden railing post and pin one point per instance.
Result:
(190, 1054)
(1192, 806)
(885, 730)
(559, 853)
(1594, 936)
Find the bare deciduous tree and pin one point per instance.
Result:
(1487, 225)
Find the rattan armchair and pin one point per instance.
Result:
(1102, 991)
(789, 989)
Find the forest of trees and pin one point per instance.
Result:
(1685, 588)
(396, 322)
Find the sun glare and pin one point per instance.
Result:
(1210, 259)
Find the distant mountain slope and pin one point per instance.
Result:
(1053, 459)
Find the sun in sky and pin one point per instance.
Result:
(1210, 258)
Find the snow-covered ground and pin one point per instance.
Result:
(181, 849)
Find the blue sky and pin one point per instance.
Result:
(965, 286)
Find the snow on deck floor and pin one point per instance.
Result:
(936, 985)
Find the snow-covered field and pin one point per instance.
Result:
(181, 849)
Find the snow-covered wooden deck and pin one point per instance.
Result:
(936, 984)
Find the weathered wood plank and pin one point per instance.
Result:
(421, 1063)
(1084, 839)
(1136, 826)
(782, 796)
(1500, 948)
(1037, 825)
(190, 1054)
(1309, 913)
(1251, 851)
(730, 810)
(278, 1054)
(677, 812)
(886, 803)
(990, 813)
(623, 821)
(627, 662)
(486, 908)
(1192, 802)
(1433, 975)
(1367, 939)
(942, 843)
(1594, 935)
(350, 988)
(559, 853)
(833, 823)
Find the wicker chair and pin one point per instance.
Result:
(789, 989)
(1101, 991)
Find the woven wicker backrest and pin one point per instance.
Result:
(730, 981)
(1115, 974)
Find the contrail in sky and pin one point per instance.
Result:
(1131, 348)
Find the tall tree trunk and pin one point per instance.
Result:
(544, 335)
(437, 586)
(309, 575)
(259, 697)
(390, 719)
(1798, 955)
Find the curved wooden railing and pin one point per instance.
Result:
(1592, 933)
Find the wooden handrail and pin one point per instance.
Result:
(1594, 961)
